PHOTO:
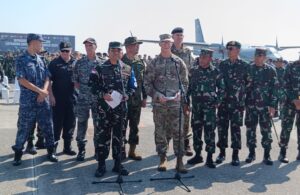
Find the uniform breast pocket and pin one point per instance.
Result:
(30, 72)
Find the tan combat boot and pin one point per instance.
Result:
(163, 163)
(179, 166)
(132, 154)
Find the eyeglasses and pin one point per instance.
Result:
(67, 51)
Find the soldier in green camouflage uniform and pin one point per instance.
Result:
(290, 109)
(260, 104)
(235, 75)
(138, 99)
(206, 86)
(85, 100)
(185, 54)
(110, 123)
(280, 72)
(162, 84)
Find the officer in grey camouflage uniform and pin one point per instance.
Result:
(206, 87)
(290, 109)
(261, 98)
(186, 55)
(86, 100)
(162, 84)
(138, 99)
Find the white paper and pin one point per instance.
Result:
(117, 98)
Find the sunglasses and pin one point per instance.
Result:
(67, 51)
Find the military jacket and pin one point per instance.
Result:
(185, 54)
(291, 80)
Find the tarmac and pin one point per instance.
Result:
(38, 176)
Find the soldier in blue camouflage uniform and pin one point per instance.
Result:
(291, 108)
(280, 69)
(138, 99)
(110, 125)
(33, 77)
(185, 54)
(235, 73)
(206, 87)
(86, 100)
(261, 100)
(162, 84)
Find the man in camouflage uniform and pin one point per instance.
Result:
(138, 99)
(231, 110)
(280, 72)
(105, 79)
(1, 73)
(185, 54)
(206, 86)
(261, 100)
(85, 101)
(291, 108)
(33, 77)
(162, 84)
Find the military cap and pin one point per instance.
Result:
(233, 44)
(165, 37)
(206, 52)
(131, 41)
(260, 52)
(114, 45)
(32, 37)
(279, 59)
(90, 40)
(177, 30)
(65, 46)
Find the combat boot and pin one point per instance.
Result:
(179, 166)
(18, 155)
(40, 143)
(81, 152)
(282, 156)
(101, 170)
(235, 158)
(30, 148)
(132, 154)
(187, 147)
(209, 161)
(123, 152)
(163, 163)
(298, 157)
(119, 168)
(51, 154)
(267, 158)
(68, 148)
(251, 157)
(221, 156)
(196, 159)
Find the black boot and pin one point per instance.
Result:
(221, 156)
(196, 159)
(81, 152)
(40, 143)
(18, 155)
(68, 148)
(209, 161)
(30, 148)
(235, 158)
(282, 156)
(187, 147)
(101, 170)
(298, 157)
(267, 159)
(251, 156)
(51, 154)
(118, 168)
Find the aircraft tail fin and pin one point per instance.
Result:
(198, 33)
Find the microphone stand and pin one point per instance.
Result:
(177, 175)
(120, 180)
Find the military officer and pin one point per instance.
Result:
(280, 69)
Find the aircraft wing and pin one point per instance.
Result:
(288, 47)
(184, 43)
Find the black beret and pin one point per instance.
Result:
(114, 45)
(260, 52)
(177, 30)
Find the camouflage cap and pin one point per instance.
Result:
(90, 40)
(233, 44)
(165, 37)
(279, 59)
(114, 45)
(260, 52)
(206, 52)
(65, 46)
(131, 41)
(33, 37)
(177, 30)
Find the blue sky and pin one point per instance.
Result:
(255, 22)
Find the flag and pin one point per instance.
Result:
(132, 80)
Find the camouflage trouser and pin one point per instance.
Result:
(235, 117)
(279, 102)
(82, 111)
(187, 132)
(253, 117)
(109, 127)
(28, 116)
(288, 114)
(204, 118)
(133, 118)
(39, 133)
(166, 121)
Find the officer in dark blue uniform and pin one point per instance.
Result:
(33, 77)
(63, 96)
